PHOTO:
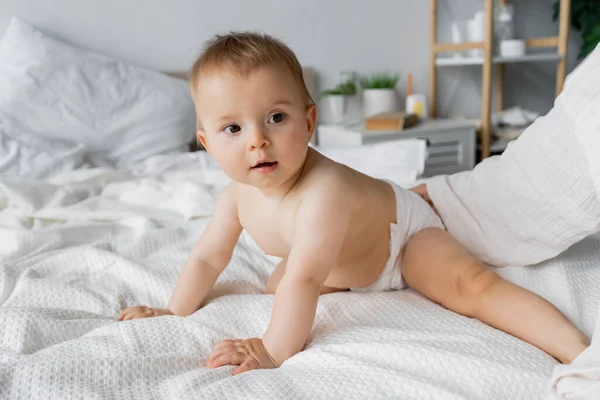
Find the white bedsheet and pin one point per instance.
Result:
(76, 251)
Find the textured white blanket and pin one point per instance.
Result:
(113, 239)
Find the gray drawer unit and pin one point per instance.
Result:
(450, 143)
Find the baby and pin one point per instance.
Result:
(336, 229)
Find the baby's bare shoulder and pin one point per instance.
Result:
(334, 180)
(327, 176)
(229, 193)
(228, 198)
(326, 199)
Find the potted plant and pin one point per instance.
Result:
(585, 17)
(336, 98)
(379, 94)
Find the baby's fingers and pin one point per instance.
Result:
(143, 314)
(129, 315)
(130, 312)
(248, 365)
(421, 190)
(124, 313)
(232, 357)
(224, 346)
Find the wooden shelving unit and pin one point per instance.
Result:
(489, 61)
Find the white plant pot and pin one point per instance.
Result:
(377, 101)
(337, 107)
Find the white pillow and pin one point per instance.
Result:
(37, 157)
(120, 112)
(400, 161)
(542, 194)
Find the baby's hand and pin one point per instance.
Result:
(421, 190)
(249, 354)
(143, 312)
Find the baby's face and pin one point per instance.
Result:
(258, 127)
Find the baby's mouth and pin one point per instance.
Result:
(265, 164)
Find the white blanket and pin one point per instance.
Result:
(76, 251)
(540, 197)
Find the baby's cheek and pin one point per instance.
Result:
(229, 163)
(233, 169)
(297, 151)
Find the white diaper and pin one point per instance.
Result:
(413, 214)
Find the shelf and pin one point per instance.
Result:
(447, 61)
(461, 54)
(457, 61)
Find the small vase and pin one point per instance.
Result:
(337, 106)
(377, 101)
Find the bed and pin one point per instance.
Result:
(86, 231)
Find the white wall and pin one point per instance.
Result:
(328, 35)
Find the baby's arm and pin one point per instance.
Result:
(437, 265)
(208, 258)
(321, 223)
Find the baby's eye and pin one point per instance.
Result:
(232, 129)
(277, 118)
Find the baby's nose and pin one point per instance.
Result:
(258, 139)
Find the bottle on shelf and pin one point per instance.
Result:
(416, 103)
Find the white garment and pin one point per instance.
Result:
(580, 379)
(541, 195)
(536, 200)
(413, 214)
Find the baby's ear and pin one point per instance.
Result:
(201, 139)
(311, 120)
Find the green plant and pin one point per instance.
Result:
(585, 17)
(343, 88)
(380, 81)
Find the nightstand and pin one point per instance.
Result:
(450, 143)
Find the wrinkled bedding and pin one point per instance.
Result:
(77, 249)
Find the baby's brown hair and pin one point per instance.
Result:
(244, 53)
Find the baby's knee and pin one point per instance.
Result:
(470, 284)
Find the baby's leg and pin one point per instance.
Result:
(438, 266)
(275, 278)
